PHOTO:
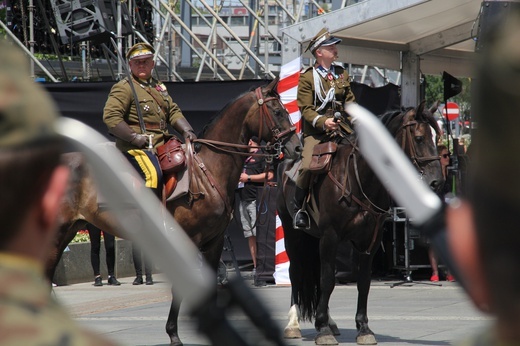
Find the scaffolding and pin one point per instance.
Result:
(194, 39)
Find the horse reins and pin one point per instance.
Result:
(266, 116)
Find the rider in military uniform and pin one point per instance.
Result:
(157, 109)
(323, 90)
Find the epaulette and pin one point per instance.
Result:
(338, 66)
(306, 69)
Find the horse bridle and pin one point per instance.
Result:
(408, 128)
(266, 116)
(278, 136)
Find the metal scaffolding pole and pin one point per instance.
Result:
(31, 55)
(234, 35)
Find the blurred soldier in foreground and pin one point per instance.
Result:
(484, 226)
(32, 184)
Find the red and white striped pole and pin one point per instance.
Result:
(281, 261)
(287, 88)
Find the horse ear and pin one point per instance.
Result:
(420, 108)
(434, 107)
(272, 86)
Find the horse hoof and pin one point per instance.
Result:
(367, 339)
(175, 341)
(292, 333)
(326, 339)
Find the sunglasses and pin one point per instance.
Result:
(445, 156)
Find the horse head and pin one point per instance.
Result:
(274, 126)
(419, 143)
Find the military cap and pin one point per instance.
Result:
(140, 51)
(322, 38)
(27, 111)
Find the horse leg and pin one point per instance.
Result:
(333, 326)
(292, 330)
(365, 335)
(65, 234)
(212, 255)
(328, 247)
(172, 326)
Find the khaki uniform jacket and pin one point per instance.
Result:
(306, 95)
(157, 108)
(312, 135)
(28, 314)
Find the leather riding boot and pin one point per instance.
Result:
(301, 217)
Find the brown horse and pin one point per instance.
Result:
(351, 203)
(204, 213)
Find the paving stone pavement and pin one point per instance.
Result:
(410, 314)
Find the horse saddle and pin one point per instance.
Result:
(321, 160)
(176, 183)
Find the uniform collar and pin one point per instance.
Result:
(145, 83)
(324, 72)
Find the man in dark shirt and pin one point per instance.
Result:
(253, 176)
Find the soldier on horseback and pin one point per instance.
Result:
(142, 127)
(323, 90)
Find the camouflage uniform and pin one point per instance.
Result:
(29, 315)
(313, 121)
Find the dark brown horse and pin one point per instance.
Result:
(204, 213)
(351, 203)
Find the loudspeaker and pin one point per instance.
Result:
(80, 20)
(492, 13)
(416, 250)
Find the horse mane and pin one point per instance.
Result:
(215, 118)
(387, 117)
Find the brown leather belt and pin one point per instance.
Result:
(154, 126)
(151, 126)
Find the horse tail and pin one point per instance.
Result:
(307, 287)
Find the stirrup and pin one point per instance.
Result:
(302, 214)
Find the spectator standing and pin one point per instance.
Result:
(138, 257)
(253, 176)
(110, 255)
(444, 156)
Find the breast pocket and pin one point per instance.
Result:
(148, 107)
(342, 88)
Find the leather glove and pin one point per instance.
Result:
(125, 132)
(183, 126)
(140, 140)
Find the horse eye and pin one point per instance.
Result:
(419, 138)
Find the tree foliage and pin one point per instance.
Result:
(434, 91)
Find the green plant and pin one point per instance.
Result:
(81, 237)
